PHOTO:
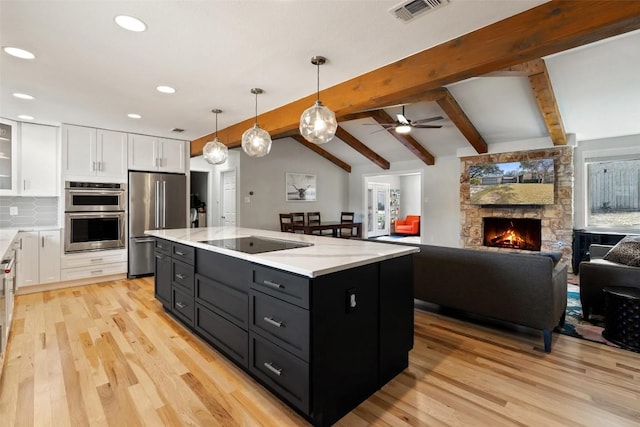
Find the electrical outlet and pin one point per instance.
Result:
(13, 210)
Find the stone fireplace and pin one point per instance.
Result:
(556, 220)
(512, 233)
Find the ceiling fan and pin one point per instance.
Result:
(403, 125)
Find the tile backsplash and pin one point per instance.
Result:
(32, 211)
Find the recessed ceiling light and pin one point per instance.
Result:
(25, 117)
(130, 23)
(18, 53)
(22, 96)
(166, 89)
(134, 116)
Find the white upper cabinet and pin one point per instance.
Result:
(149, 153)
(39, 161)
(89, 152)
(8, 158)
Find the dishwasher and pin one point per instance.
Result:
(7, 291)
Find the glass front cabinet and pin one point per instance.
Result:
(8, 157)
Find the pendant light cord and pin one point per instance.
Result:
(216, 125)
(318, 81)
(256, 107)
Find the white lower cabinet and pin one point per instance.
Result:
(38, 257)
(85, 265)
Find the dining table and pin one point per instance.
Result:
(334, 226)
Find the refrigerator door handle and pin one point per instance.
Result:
(157, 206)
(164, 204)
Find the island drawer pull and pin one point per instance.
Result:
(180, 304)
(179, 276)
(273, 369)
(272, 284)
(179, 253)
(96, 272)
(273, 322)
(96, 259)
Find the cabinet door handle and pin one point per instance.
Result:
(96, 259)
(180, 305)
(21, 243)
(179, 276)
(273, 322)
(96, 272)
(93, 166)
(43, 241)
(272, 284)
(273, 369)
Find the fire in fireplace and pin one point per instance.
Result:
(513, 233)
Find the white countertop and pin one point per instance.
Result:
(8, 235)
(327, 255)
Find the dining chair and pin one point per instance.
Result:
(286, 222)
(347, 218)
(313, 218)
(297, 218)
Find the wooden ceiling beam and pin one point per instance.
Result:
(546, 100)
(357, 145)
(451, 107)
(324, 153)
(543, 30)
(408, 141)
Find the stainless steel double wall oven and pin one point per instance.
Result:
(94, 216)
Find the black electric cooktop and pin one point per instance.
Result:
(255, 245)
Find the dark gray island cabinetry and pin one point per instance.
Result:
(322, 344)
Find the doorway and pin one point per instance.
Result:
(228, 191)
(199, 198)
(378, 209)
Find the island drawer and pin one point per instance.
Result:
(183, 275)
(285, 324)
(280, 370)
(163, 246)
(183, 253)
(225, 300)
(182, 306)
(231, 271)
(224, 335)
(286, 286)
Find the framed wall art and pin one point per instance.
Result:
(300, 187)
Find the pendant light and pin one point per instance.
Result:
(318, 124)
(256, 141)
(215, 152)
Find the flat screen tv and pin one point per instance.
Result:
(529, 182)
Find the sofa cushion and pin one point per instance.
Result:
(627, 252)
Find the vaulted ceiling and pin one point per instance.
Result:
(496, 71)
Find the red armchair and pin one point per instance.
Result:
(409, 225)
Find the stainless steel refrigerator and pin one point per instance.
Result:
(156, 201)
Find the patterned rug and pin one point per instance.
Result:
(576, 326)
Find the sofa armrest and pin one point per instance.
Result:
(598, 251)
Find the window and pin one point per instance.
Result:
(613, 196)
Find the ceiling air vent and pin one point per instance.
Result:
(408, 10)
(177, 130)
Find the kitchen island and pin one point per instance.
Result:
(321, 322)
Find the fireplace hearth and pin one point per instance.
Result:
(512, 233)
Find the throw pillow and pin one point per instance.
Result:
(627, 252)
(555, 256)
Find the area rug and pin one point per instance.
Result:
(576, 326)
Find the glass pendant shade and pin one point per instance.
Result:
(256, 141)
(215, 152)
(318, 124)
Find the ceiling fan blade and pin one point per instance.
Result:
(402, 119)
(380, 124)
(430, 119)
(380, 130)
(426, 126)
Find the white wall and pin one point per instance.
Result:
(265, 177)
(213, 196)
(410, 195)
(440, 196)
(607, 147)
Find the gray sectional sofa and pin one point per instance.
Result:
(519, 288)
(597, 273)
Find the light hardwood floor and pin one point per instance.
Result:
(107, 354)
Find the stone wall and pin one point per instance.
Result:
(557, 219)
